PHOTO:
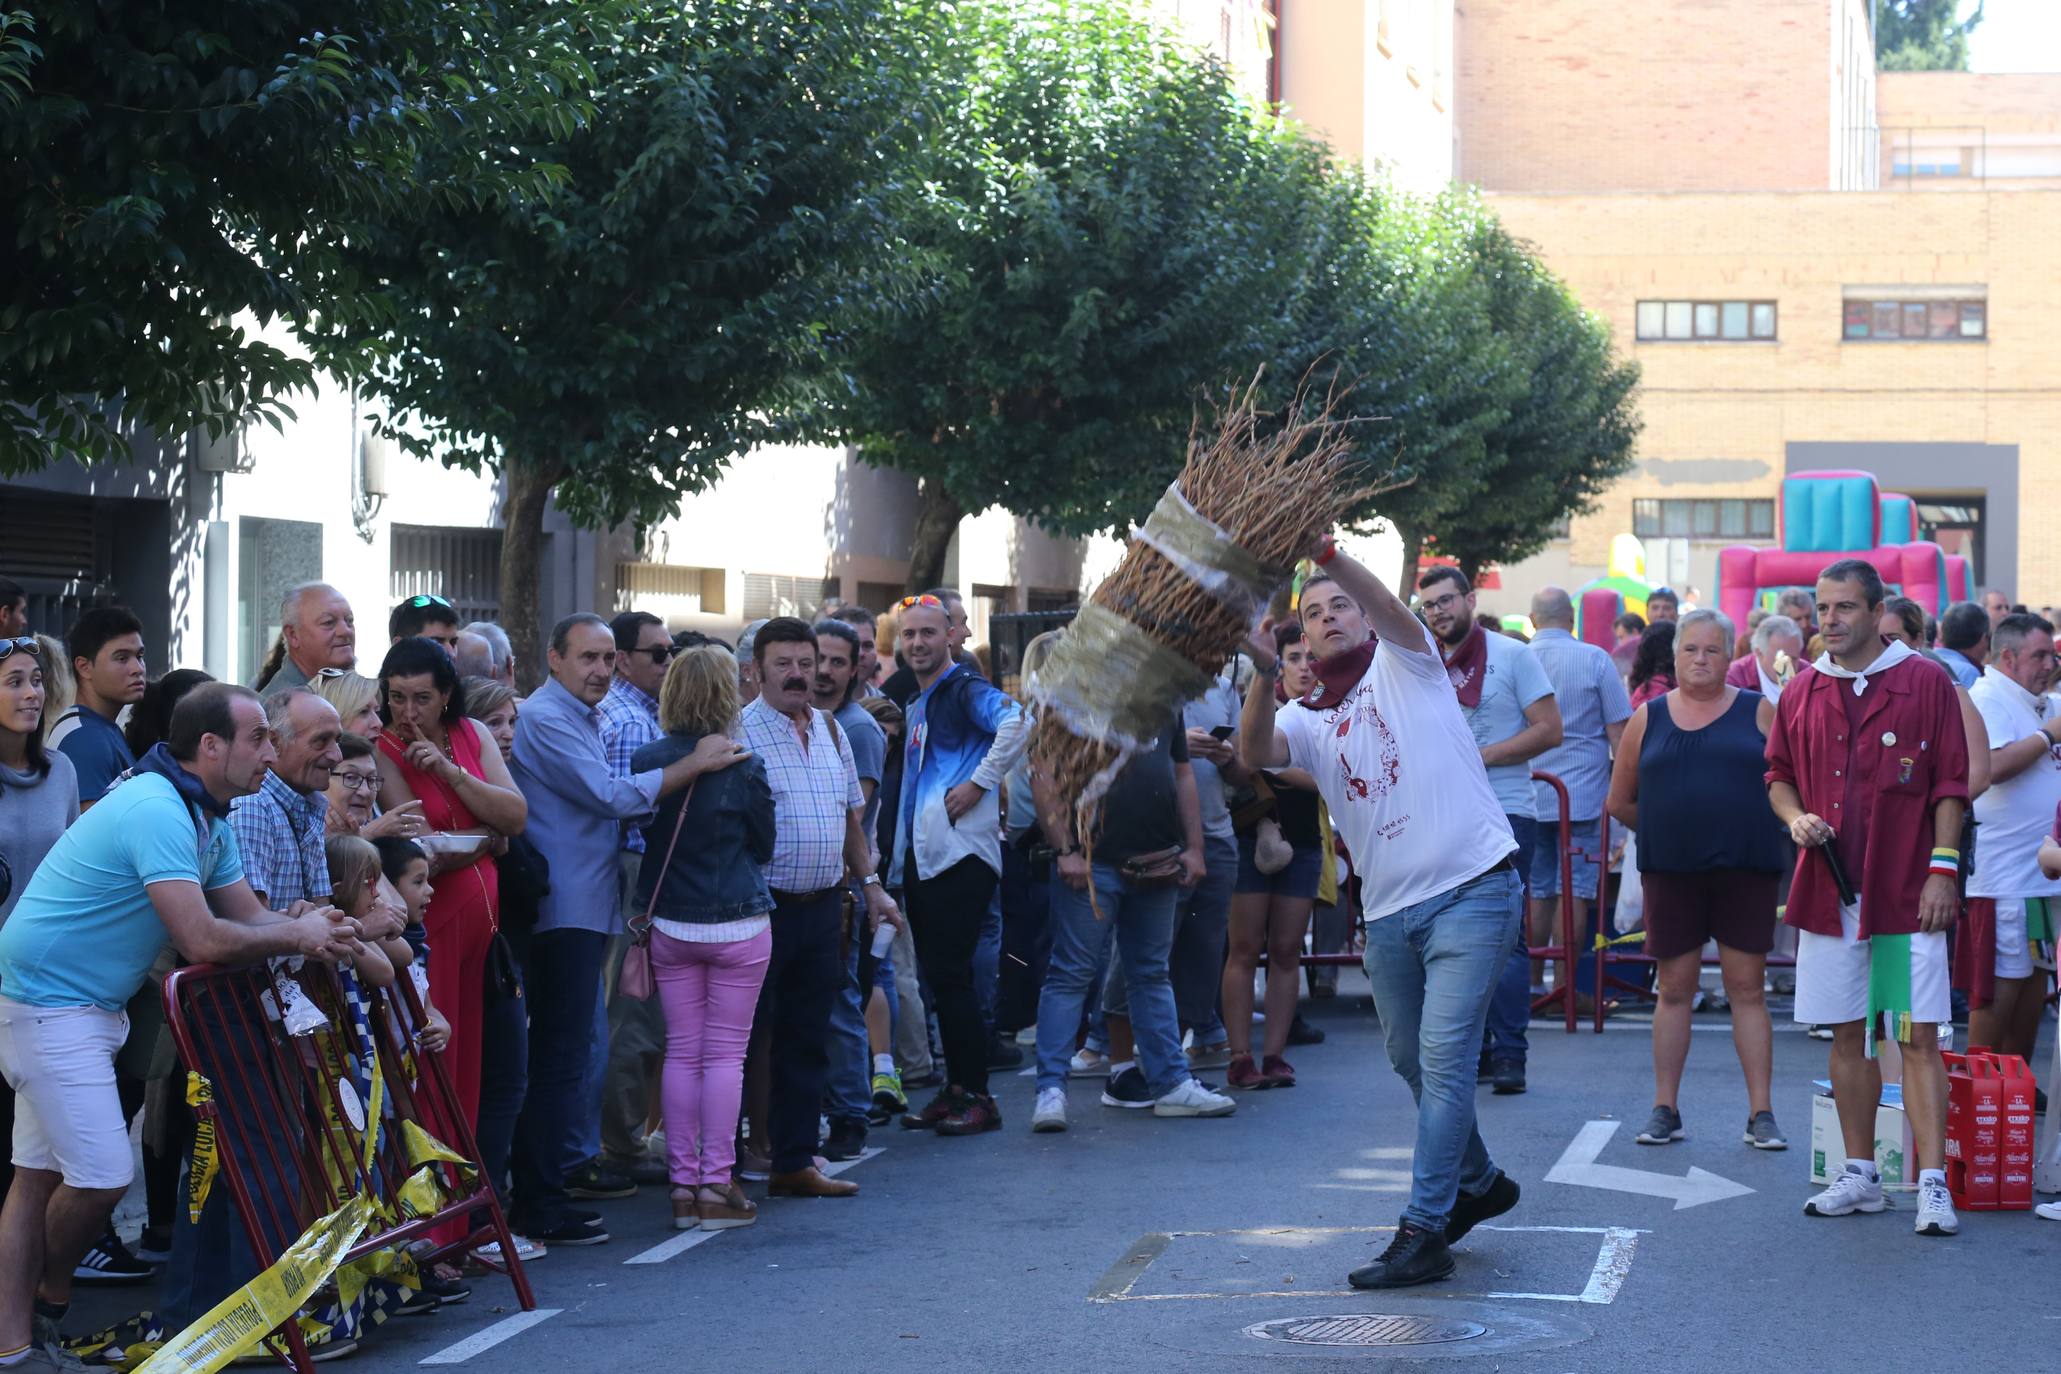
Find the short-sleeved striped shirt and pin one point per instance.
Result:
(814, 788)
(280, 836)
(629, 721)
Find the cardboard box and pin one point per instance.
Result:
(1893, 1157)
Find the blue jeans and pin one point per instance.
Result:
(1510, 1011)
(560, 1116)
(1433, 966)
(1202, 917)
(987, 961)
(1142, 923)
(850, 1091)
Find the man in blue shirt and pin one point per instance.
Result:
(1963, 642)
(1593, 710)
(633, 1038)
(576, 811)
(106, 649)
(156, 863)
(1510, 709)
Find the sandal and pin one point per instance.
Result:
(723, 1206)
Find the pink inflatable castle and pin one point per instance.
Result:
(1827, 516)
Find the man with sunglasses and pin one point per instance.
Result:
(424, 617)
(636, 1030)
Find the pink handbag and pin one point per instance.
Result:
(636, 979)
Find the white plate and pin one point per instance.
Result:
(440, 843)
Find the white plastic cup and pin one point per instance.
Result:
(882, 939)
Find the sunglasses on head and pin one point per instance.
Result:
(924, 600)
(424, 600)
(26, 644)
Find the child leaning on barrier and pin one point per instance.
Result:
(363, 888)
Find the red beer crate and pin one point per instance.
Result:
(1989, 1142)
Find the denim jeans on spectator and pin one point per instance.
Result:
(1433, 967)
(1026, 894)
(850, 1091)
(1510, 1010)
(801, 986)
(987, 961)
(1141, 921)
(1202, 916)
(559, 1121)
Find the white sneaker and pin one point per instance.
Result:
(1935, 1209)
(1851, 1191)
(1192, 1099)
(526, 1250)
(1088, 1063)
(2051, 1211)
(1050, 1113)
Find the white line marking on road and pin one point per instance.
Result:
(678, 1245)
(687, 1240)
(492, 1336)
(1613, 1262)
(1578, 1167)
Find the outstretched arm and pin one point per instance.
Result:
(1385, 611)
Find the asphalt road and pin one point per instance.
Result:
(1144, 1245)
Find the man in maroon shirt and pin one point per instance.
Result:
(1868, 767)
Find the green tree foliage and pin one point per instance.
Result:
(622, 339)
(1114, 237)
(1923, 35)
(174, 172)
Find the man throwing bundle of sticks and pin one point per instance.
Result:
(1399, 768)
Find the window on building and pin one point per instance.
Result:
(1704, 518)
(1563, 528)
(1929, 320)
(1720, 321)
(770, 594)
(462, 564)
(668, 590)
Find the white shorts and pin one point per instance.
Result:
(67, 1114)
(2014, 954)
(1832, 975)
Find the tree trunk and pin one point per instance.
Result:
(1413, 548)
(938, 514)
(1470, 568)
(522, 534)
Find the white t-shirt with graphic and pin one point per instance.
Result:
(1402, 774)
(2013, 817)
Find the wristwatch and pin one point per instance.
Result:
(871, 880)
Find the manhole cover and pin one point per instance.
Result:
(1367, 1329)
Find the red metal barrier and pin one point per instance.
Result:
(290, 1120)
(1564, 953)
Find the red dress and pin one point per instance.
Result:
(464, 912)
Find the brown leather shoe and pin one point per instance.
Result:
(809, 1183)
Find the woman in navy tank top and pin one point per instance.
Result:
(1689, 779)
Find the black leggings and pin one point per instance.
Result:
(945, 915)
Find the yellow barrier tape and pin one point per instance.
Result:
(424, 1191)
(200, 1175)
(241, 1320)
(1634, 938)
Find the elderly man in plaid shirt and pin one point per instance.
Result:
(631, 1039)
(820, 842)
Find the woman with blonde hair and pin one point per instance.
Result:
(355, 697)
(59, 691)
(710, 932)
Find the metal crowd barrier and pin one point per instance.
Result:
(288, 1115)
(1565, 953)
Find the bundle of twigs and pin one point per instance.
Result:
(1270, 486)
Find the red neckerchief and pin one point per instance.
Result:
(1467, 666)
(1338, 675)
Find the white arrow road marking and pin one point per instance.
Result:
(1579, 1168)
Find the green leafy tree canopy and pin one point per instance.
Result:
(1924, 35)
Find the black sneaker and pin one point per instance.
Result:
(597, 1182)
(1004, 1053)
(1128, 1090)
(573, 1229)
(1471, 1211)
(847, 1139)
(1508, 1077)
(108, 1263)
(1415, 1256)
(1301, 1032)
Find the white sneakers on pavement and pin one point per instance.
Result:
(1851, 1191)
(1935, 1209)
(1192, 1099)
(1050, 1113)
(1086, 1063)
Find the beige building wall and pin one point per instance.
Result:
(1720, 415)
(1661, 95)
(1958, 131)
(1374, 79)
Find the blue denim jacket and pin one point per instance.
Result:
(718, 872)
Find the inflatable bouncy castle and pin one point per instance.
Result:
(1623, 588)
(1827, 516)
